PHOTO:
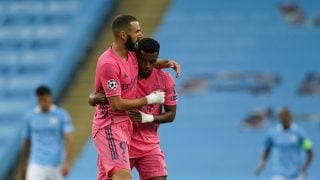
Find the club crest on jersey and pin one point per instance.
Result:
(53, 120)
(112, 84)
(293, 138)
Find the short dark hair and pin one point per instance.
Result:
(148, 45)
(122, 23)
(43, 90)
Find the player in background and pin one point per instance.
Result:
(289, 142)
(47, 140)
(145, 152)
(117, 75)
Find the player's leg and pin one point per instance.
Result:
(152, 167)
(112, 147)
(277, 177)
(122, 174)
(35, 171)
(55, 173)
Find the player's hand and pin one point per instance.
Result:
(156, 97)
(135, 116)
(304, 169)
(100, 98)
(176, 67)
(141, 117)
(65, 169)
(259, 168)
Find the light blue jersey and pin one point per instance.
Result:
(287, 150)
(46, 134)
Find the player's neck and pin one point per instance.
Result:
(286, 127)
(120, 50)
(45, 109)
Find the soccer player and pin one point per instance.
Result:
(145, 152)
(289, 142)
(47, 140)
(117, 75)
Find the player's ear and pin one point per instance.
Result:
(123, 35)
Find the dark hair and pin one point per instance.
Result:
(43, 90)
(122, 23)
(148, 45)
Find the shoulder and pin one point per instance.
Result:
(132, 54)
(133, 58)
(107, 58)
(164, 75)
(297, 129)
(61, 111)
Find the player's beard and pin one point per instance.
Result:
(130, 45)
(144, 73)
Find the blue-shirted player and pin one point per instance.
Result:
(47, 140)
(288, 142)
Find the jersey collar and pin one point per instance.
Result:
(52, 108)
(292, 127)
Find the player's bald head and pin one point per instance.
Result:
(122, 23)
(284, 113)
(285, 117)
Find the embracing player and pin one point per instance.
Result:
(117, 75)
(145, 152)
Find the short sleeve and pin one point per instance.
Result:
(67, 126)
(109, 76)
(171, 95)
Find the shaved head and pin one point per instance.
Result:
(122, 23)
(285, 117)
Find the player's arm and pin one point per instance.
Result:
(108, 75)
(269, 143)
(165, 117)
(307, 146)
(161, 64)
(168, 115)
(263, 160)
(67, 147)
(119, 104)
(25, 150)
(67, 132)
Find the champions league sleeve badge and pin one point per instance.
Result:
(112, 84)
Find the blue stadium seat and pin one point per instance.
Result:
(210, 36)
(39, 44)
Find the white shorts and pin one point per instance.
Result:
(277, 177)
(39, 172)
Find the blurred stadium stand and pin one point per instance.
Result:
(210, 36)
(41, 42)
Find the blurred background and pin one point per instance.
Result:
(241, 61)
